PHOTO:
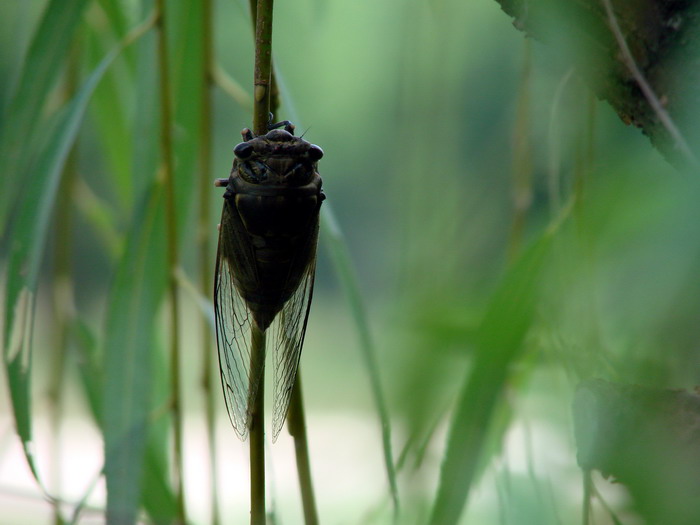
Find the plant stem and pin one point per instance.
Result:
(297, 428)
(263, 66)
(205, 277)
(171, 231)
(274, 90)
(587, 497)
(257, 429)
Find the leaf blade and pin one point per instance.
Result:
(499, 344)
(27, 242)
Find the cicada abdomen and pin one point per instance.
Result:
(265, 264)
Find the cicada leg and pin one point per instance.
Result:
(288, 126)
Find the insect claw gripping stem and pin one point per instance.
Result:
(288, 126)
(247, 134)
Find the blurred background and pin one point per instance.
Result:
(477, 192)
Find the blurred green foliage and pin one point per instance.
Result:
(418, 106)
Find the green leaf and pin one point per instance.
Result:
(26, 246)
(185, 43)
(157, 496)
(334, 241)
(89, 361)
(499, 345)
(112, 104)
(136, 470)
(22, 120)
(129, 356)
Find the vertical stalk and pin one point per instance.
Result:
(587, 497)
(257, 429)
(297, 428)
(274, 90)
(263, 66)
(171, 232)
(261, 109)
(205, 277)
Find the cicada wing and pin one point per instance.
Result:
(233, 321)
(288, 330)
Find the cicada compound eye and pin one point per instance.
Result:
(315, 153)
(243, 150)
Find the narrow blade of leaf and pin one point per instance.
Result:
(333, 240)
(157, 497)
(128, 358)
(26, 247)
(51, 41)
(499, 345)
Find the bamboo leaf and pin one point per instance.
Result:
(499, 345)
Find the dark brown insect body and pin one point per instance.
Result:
(266, 262)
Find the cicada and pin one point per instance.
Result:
(265, 265)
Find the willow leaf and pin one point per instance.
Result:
(26, 245)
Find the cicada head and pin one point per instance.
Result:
(277, 158)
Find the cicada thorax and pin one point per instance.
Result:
(274, 192)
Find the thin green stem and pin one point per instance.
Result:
(297, 428)
(205, 277)
(587, 498)
(261, 108)
(257, 429)
(172, 247)
(263, 66)
(231, 87)
(274, 90)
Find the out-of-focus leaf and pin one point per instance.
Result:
(333, 240)
(135, 446)
(186, 53)
(157, 496)
(499, 345)
(21, 123)
(26, 246)
(89, 366)
(110, 111)
(116, 14)
(129, 354)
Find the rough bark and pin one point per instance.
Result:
(664, 39)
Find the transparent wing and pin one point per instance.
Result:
(233, 322)
(287, 331)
